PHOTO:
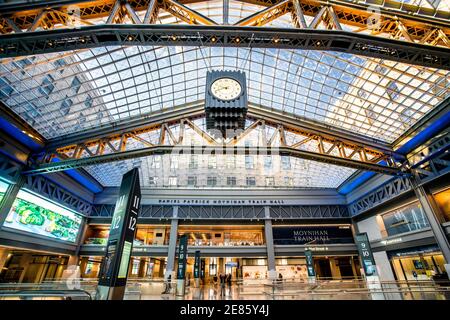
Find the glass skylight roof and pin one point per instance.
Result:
(64, 93)
(70, 92)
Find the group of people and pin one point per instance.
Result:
(224, 279)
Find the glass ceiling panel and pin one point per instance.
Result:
(64, 93)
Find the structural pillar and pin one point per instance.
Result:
(272, 273)
(172, 245)
(9, 197)
(434, 219)
(3, 257)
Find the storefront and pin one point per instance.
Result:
(32, 267)
(223, 235)
(419, 263)
(148, 235)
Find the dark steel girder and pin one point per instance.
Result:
(20, 44)
(229, 150)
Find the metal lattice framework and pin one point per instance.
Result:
(231, 212)
(312, 212)
(9, 169)
(432, 159)
(52, 191)
(421, 38)
(383, 193)
(167, 136)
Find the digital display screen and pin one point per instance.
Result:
(33, 214)
(126, 253)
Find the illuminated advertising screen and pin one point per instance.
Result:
(32, 214)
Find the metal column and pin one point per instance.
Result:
(172, 244)
(434, 218)
(269, 244)
(10, 196)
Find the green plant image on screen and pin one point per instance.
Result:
(32, 214)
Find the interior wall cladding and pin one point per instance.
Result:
(232, 212)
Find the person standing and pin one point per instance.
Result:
(222, 284)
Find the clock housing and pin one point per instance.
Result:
(226, 101)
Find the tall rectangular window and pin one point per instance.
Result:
(270, 181)
(231, 181)
(249, 162)
(212, 162)
(285, 163)
(289, 181)
(211, 181)
(193, 162)
(173, 181)
(231, 162)
(251, 181)
(192, 181)
(153, 181)
(173, 162)
(268, 162)
(155, 162)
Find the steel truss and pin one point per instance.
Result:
(11, 171)
(415, 39)
(432, 159)
(52, 191)
(231, 212)
(310, 144)
(381, 194)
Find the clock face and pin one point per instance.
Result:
(226, 89)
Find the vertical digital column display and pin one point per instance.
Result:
(310, 263)
(365, 252)
(197, 264)
(119, 247)
(182, 253)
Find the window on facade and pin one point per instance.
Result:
(153, 181)
(76, 84)
(231, 162)
(212, 162)
(406, 219)
(270, 181)
(231, 181)
(155, 162)
(289, 181)
(211, 181)
(173, 181)
(192, 181)
(268, 162)
(65, 106)
(251, 181)
(249, 162)
(285, 163)
(173, 163)
(47, 85)
(193, 162)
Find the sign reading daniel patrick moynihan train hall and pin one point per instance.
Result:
(311, 235)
